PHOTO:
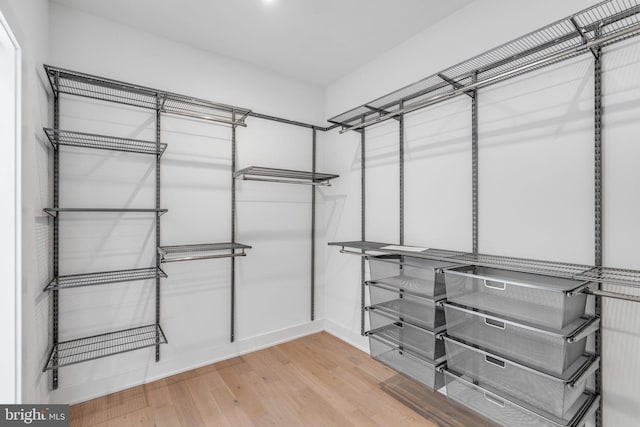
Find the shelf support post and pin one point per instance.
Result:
(56, 228)
(159, 106)
(232, 336)
(401, 166)
(598, 207)
(474, 165)
(313, 227)
(362, 224)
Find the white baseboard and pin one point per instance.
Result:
(350, 337)
(96, 388)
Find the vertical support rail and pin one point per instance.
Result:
(233, 228)
(56, 240)
(313, 228)
(158, 242)
(362, 224)
(474, 166)
(598, 208)
(401, 164)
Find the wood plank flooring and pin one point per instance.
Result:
(317, 380)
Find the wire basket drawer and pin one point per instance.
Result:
(418, 341)
(424, 371)
(553, 394)
(512, 413)
(409, 308)
(415, 275)
(541, 348)
(534, 298)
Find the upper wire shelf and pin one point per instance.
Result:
(201, 251)
(104, 89)
(59, 137)
(259, 173)
(103, 278)
(70, 352)
(612, 276)
(55, 211)
(600, 25)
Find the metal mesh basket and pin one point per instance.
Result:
(413, 275)
(508, 413)
(537, 347)
(408, 337)
(418, 311)
(415, 367)
(534, 298)
(555, 395)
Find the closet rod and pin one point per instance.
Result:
(287, 121)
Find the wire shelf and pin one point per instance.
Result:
(103, 278)
(89, 86)
(259, 173)
(55, 211)
(59, 137)
(603, 24)
(201, 251)
(80, 350)
(524, 265)
(612, 276)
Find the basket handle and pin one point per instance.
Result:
(492, 284)
(495, 361)
(494, 323)
(495, 400)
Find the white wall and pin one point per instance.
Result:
(29, 21)
(10, 309)
(536, 169)
(272, 280)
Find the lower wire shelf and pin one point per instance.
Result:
(201, 251)
(80, 350)
(103, 278)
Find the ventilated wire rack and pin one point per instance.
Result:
(201, 251)
(259, 173)
(524, 265)
(101, 142)
(89, 86)
(103, 278)
(603, 24)
(613, 276)
(55, 211)
(98, 346)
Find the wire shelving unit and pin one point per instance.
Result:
(104, 278)
(601, 25)
(59, 138)
(287, 176)
(89, 86)
(54, 212)
(70, 352)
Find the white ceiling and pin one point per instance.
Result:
(316, 41)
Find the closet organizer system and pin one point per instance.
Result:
(506, 336)
(71, 83)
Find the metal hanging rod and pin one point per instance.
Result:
(614, 295)
(197, 252)
(605, 23)
(287, 181)
(287, 121)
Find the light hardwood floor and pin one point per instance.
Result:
(317, 380)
